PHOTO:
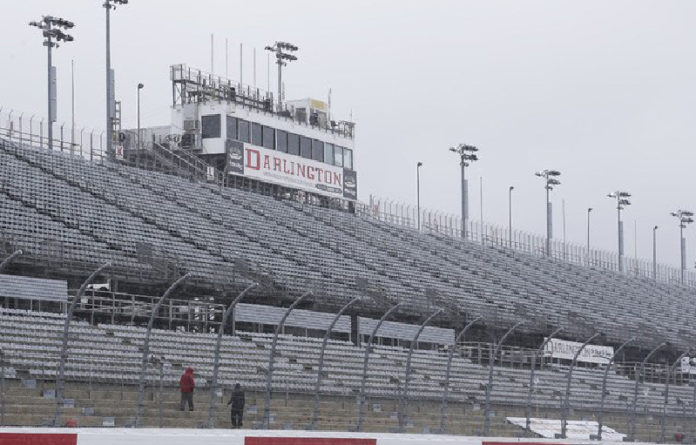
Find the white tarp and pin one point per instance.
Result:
(575, 429)
(566, 350)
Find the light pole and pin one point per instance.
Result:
(621, 202)
(282, 52)
(467, 155)
(418, 166)
(510, 189)
(52, 30)
(589, 211)
(550, 180)
(140, 136)
(654, 264)
(109, 5)
(685, 217)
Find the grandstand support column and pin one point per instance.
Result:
(6, 262)
(537, 353)
(443, 408)
(569, 381)
(216, 358)
(632, 426)
(403, 402)
(60, 381)
(146, 346)
(361, 397)
(271, 360)
(670, 373)
(489, 386)
(600, 413)
(317, 386)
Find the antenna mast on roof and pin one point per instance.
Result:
(282, 51)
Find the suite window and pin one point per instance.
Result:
(328, 153)
(269, 137)
(338, 156)
(317, 150)
(232, 128)
(244, 132)
(282, 141)
(210, 126)
(348, 158)
(293, 144)
(256, 133)
(305, 147)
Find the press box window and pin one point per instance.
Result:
(231, 127)
(256, 134)
(348, 158)
(210, 126)
(305, 147)
(338, 156)
(293, 144)
(328, 153)
(269, 137)
(244, 132)
(282, 140)
(317, 150)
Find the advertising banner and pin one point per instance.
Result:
(291, 171)
(566, 350)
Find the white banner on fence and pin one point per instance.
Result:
(566, 350)
(688, 365)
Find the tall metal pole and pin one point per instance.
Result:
(72, 106)
(654, 264)
(146, 346)
(140, 136)
(368, 347)
(271, 361)
(600, 413)
(682, 257)
(450, 357)
(6, 262)
(109, 96)
(510, 189)
(418, 166)
(216, 358)
(620, 236)
(489, 387)
(60, 381)
(465, 199)
(537, 353)
(51, 112)
(632, 427)
(566, 399)
(670, 373)
(403, 405)
(589, 211)
(280, 83)
(548, 223)
(320, 370)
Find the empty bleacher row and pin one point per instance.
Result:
(111, 354)
(102, 212)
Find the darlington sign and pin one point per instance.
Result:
(567, 349)
(290, 171)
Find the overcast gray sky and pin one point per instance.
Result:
(601, 90)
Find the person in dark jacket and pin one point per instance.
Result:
(187, 385)
(237, 402)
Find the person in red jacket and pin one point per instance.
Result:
(187, 385)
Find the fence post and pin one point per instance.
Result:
(443, 408)
(216, 358)
(528, 405)
(489, 387)
(146, 346)
(600, 413)
(566, 401)
(271, 360)
(403, 405)
(361, 397)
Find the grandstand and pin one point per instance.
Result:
(69, 215)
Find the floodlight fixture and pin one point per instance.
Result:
(550, 181)
(622, 201)
(685, 217)
(282, 52)
(467, 155)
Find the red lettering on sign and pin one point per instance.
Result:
(253, 159)
(276, 164)
(301, 170)
(306, 441)
(310, 172)
(37, 439)
(338, 179)
(266, 162)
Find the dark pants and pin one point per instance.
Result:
(186, 398)
(237, 418)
